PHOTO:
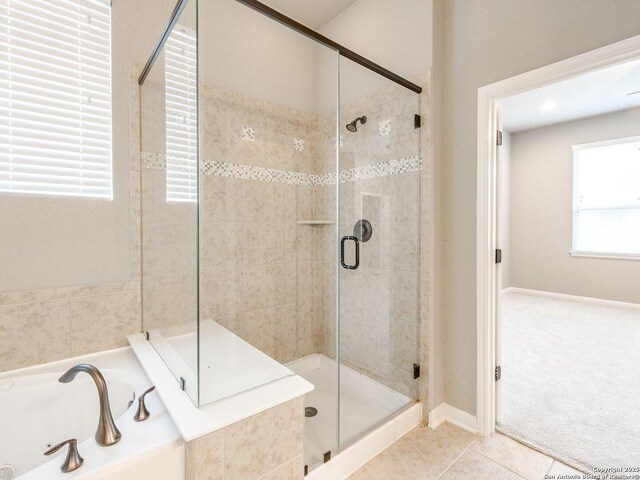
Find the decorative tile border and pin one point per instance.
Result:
(157, 161)
(248, 172)
(248, 134)
(298, 144)
(384, 128)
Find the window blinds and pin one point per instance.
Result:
(55, 97)
(606, 202)
(181, 115)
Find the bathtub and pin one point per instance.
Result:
(36, 412)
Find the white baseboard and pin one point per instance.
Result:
(574, 298)
(446, 413)
(356, 455)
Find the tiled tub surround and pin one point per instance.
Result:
(266, 446)
(41, 326)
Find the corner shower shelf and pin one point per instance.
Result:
(316, 222)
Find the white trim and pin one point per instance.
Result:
(356, 455)
(488, 99)
(573, 298)
(604, 143)
(617, 256)
(437, 416)
(446, 413)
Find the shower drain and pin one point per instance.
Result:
(310, 412)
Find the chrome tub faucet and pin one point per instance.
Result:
(107, 432)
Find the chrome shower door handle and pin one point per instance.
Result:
(357, 243)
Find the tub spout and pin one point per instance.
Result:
(107, 432)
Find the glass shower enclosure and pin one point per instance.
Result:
(281, 218)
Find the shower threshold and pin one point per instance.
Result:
(365, 404)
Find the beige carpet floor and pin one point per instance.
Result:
(571, 379)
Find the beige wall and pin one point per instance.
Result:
(244, 51)
(50, 242)
(484, 42)
(542, 212)
(70, 283)
(399, 39)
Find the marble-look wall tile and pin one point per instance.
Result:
(262, 328)
(261, 443)
(302, 347)
(28, 296)
(263, 243)
(404, 295)
(36, 325)
(265, 446)
(292, 470)
(263, 286)
(103, 322)
(204, 457)
(32, 333)
(263, 202)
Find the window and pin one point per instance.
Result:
(181, 115)
(606, 198)
(55, 97)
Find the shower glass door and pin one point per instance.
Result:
(379, 220)
(169, 202)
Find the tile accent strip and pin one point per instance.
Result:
(158, 161)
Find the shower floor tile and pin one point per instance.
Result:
(364, 404)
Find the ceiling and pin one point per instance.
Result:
(594, 93)
(312, 13)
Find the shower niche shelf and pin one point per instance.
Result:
(316, 222)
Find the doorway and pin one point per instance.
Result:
(557, 323)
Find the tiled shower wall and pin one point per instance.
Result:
(265, 275)
(257, 263)
(380, 302)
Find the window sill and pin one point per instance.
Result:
(617, 256)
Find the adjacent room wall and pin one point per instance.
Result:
(484, 42)
(542, 212)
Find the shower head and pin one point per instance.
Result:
(353, 126)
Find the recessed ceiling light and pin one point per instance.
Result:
(549, 105)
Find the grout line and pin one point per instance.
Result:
(553, 461)
(455, 460)
(499, 464)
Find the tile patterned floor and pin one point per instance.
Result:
(450, 453)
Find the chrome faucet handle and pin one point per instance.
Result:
(142, 414)
(73, 460)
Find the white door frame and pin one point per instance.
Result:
(487, 278)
